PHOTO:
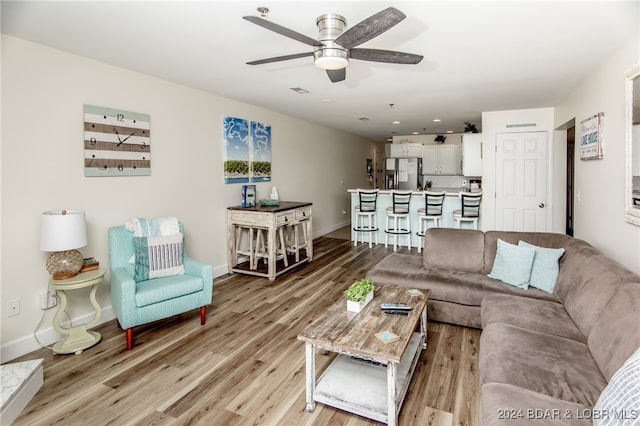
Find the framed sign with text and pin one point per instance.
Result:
(592, 130)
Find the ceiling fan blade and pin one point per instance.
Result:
(337, 75)
(371, 27)
(282, 30)
(389, 56)
(280, 58)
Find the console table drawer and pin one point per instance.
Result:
(285, 218)
(303, 213)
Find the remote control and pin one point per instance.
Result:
(395, 312)
(396, 306)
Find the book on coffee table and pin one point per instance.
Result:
(387, 336)
(414, 292)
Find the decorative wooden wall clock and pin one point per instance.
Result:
(116, 142)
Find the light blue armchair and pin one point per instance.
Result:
(136, 303)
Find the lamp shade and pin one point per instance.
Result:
(63, 230)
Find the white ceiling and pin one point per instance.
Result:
(478, 55)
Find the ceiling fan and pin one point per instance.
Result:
(335, 46)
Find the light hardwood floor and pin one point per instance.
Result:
(245, 366)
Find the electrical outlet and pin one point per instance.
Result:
(48, 300)
(13, 307)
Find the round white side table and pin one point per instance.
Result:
(78, 338)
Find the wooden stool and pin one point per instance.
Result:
(261, 251)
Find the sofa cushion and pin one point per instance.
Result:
(508, 405)
(530, 314)
(454, 313)
(551, 365)
(512, 264)
(621, 398)
(592, 285)
(541, 239)
(616, 334)
(452, 286)
(454, 249)
(546, 266)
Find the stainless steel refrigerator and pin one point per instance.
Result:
(403, 173)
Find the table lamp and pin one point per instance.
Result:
(62, 232)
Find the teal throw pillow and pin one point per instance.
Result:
(513, 264)
(158, 257)
(544, 272)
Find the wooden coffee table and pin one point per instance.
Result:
(368, 377)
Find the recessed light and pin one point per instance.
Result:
(415, 133)
(395, 122)
(449, 131)
(436, 120)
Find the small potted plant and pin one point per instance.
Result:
(359, 294)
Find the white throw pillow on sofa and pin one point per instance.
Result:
(512, 264)
(619, 402)
(544, 272)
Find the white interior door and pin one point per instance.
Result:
(521, 181)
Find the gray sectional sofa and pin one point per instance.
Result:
(545, 357)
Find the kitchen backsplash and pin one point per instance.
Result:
(440, 181)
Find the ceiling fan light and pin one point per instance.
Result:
(331, 62)
(331, 58)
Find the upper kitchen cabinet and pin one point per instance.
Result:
(441, 160)
(404, 150)
(472, 154)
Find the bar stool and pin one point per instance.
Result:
(261, 252)
(469, 209)
(239, 251)
(398, 212)
(366, 210)
(432, 210)
(292, 237)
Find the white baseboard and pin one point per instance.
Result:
(320, 232)
(48, 336)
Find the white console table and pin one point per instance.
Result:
(268, 219)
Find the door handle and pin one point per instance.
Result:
(541, 205)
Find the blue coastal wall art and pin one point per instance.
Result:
(247, 148)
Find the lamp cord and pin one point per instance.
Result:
(44, 312)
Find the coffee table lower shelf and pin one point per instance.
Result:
(365, 388)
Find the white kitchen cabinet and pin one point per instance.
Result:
(472, 154)
(441, 159)
(430, 160)
(404, 150)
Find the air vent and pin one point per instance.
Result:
(509, 126)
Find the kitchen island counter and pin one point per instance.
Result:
(451, 203)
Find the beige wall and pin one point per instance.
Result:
(43, 92)
(599, 214)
